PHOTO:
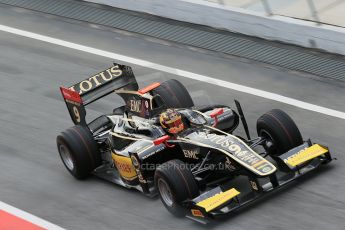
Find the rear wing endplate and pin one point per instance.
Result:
(93, 88)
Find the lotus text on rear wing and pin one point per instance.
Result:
(97, 80)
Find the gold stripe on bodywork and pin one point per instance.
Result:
(306, 155)
(130, 138)
(217, 200)
(143, 149)
(258, 163)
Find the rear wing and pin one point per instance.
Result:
(93, 88)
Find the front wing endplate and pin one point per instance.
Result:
(217, 200)
(306, 155)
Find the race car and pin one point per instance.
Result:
(160, 143)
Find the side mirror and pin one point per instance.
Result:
(217, 112)
(164, 140)
(215, 115)
(161, 140)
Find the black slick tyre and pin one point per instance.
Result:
(175, 183)
(279, 128)
(78, 151)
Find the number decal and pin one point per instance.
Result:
(76, 113)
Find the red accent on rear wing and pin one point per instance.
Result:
(71, 95)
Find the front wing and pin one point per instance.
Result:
(218, 201)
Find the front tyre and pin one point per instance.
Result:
(175, 183)
(78, 151)
(280, 131)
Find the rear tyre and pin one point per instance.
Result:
(175, 183)
(279, 129)
(174, 94)
(78, 151)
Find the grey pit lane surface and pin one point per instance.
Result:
(33, 113)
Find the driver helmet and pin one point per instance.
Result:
(171, 121)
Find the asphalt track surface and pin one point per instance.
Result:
(32, 113)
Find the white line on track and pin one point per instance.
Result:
(28, 217)
(182, 73)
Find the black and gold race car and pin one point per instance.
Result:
(159, 142)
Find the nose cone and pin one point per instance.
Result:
(235, 148)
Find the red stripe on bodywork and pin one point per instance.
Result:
(149, 88)
(11, 222)
(70, 95)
